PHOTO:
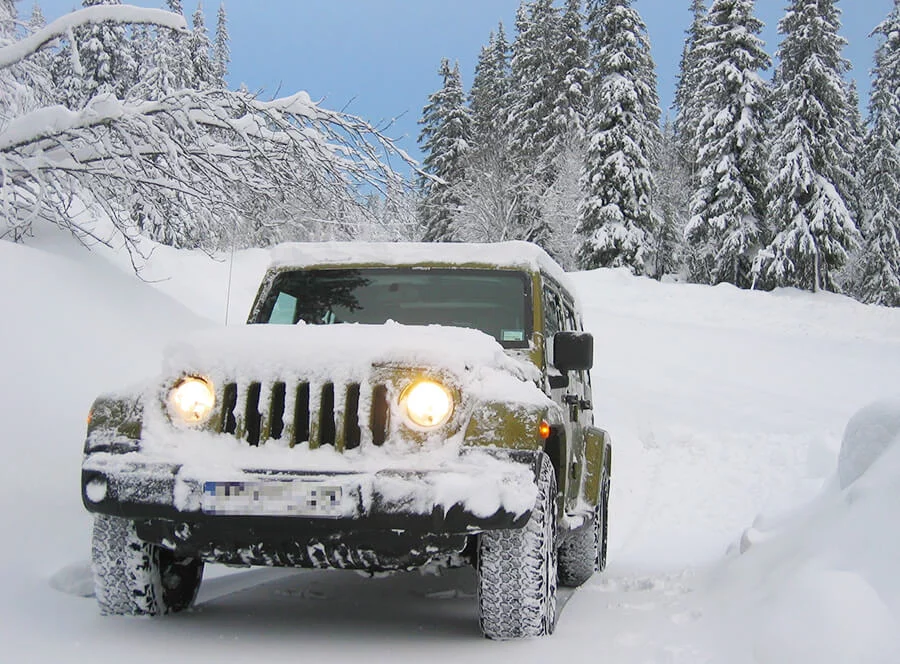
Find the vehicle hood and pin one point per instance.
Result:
(340, 352)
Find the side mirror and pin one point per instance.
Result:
(573, 351)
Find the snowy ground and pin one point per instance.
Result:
(723, 405)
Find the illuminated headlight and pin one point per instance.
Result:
(192, 399)
(427, 403)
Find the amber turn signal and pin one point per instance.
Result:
(544, 429)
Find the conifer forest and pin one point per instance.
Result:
(763, 174)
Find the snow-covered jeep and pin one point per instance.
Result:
(388, 407)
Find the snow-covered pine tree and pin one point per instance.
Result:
(811, 165)
(688, 105)
(533, 86)
(726, 229)
(37, 68)
(616, 217)
(445, 135)
(102, 62)
(879, 271)
(491, 195)
(203, 73)
(171, 67)
(489, 95)
(221, 50)
(567, 119)
(670, 205)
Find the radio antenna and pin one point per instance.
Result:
(230, 265)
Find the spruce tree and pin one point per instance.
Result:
(809, 193)
(170, 66)
(105, 55)
(203, 74)
(688, 104)
(616, 217)
(446, 127)
(533, 85)
(726, 228)
(670, 205)
(221, 51)
(567, 120)
(879, 271)
(489, 95)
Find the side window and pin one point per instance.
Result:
(570, 318)
(551, 314)
(553, 320)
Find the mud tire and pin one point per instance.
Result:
(132, 577)
(579, 552)
(517, 570)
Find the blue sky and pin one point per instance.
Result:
(379, 58)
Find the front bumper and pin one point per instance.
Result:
(415, 501)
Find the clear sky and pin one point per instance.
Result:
(379, 58)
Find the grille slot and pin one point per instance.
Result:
(327, 429)
(345, 416)
(379, 419)
(252, 416)
(276, 412)
(352, 433)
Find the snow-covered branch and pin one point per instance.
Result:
(18, 51)
(183, 165)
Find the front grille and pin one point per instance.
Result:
(344, 416)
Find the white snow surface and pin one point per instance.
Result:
(730, 537)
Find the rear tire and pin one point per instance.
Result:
(517, 570)
(132, 577)
(579, 552)
(604, 520)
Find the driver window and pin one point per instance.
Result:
(552, 321)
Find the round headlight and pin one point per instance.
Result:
(427, 403)
(192, 399)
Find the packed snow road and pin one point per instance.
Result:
(723, 405)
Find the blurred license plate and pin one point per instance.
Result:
(288, 498)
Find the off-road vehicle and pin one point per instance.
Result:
(387, 407)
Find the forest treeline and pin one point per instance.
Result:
(754, 180)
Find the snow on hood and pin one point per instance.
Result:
(345, 352)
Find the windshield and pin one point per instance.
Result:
(496, 302)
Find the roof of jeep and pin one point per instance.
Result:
(505, 255)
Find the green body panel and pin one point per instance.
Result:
(120, 415)
(597, 453)
(505, 425)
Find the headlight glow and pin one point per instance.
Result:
(427, 403)
(192, 399)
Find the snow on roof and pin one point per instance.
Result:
(514, 254)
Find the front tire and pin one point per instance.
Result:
(132, 577)
(517, 570)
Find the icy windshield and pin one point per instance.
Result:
(494, 301)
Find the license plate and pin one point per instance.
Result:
(274, 498)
